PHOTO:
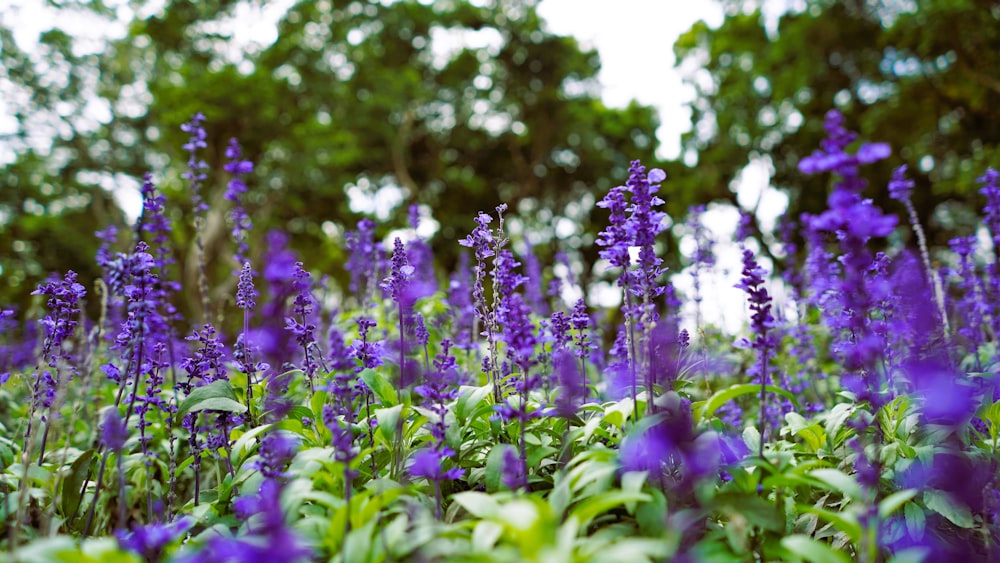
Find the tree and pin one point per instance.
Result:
(367, 95)
(920, 75)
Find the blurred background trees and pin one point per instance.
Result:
(922, 75)
(458, 106)
(453, 106)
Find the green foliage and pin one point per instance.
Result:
(896, 68)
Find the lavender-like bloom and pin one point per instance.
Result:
(644, 226)
(572, 384)
(113, 431)
(154, 222)
(484, 245)
(641, 286)
(194, 174)
(744, 229)
(460, 300)
(300, 325)
(246, 295)
(580, 320)
(990, 181)
(973, 307)
(761, 322)
(63, 304)
(367, 352)
(991, 211)
(399, 277)
(854, 221)
(235, 190)
(360, 245)
(205, 365)
(515, 476)
(60, 322)
(438, 389)
(270, 538)
(276, 450)
(672, 450)
(900, 188)
(150, 540)
(559, 327)
(533, 280)
(615, 239)
(246, 299)
(703, 256)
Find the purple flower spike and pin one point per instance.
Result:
(113, 431)
(900, 188)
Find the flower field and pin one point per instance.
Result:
(480, 415)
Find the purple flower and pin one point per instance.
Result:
(206, 363)
(301, 325)
(900, 187)
(149, 540)
(572, 384)
(671, 448)
(63, 305)
(194, 174)
(235, 190)
(401, 273)
(362, 260)
(514, 475)
(246, 295)
(113, 431)
(276, 450)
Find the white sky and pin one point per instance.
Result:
(635, 40)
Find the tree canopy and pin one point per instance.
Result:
(455, 106)
(921, 75)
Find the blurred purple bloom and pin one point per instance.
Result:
(113, 431)
(195, 167)
(149, 540)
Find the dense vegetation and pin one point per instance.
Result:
(486, 417)
(256, 370)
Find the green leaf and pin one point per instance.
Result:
(485, 535)
(943, 504)
(379, 385)
(846, 522)
(388, 421)
(916, 520)
(838, 481)
(298, 412)
(598, 504)
(911, 555)
(494, 467)
(757, 510)
(893, 502)
(751, 437)
(480, 505)
(242, 446)
(838, 415)
(813, 550)
(812, 433)
(725, 395)
(632, 482)
(216, 396)
(74, 482)
(469, 400)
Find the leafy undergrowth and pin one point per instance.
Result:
(488, 422)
